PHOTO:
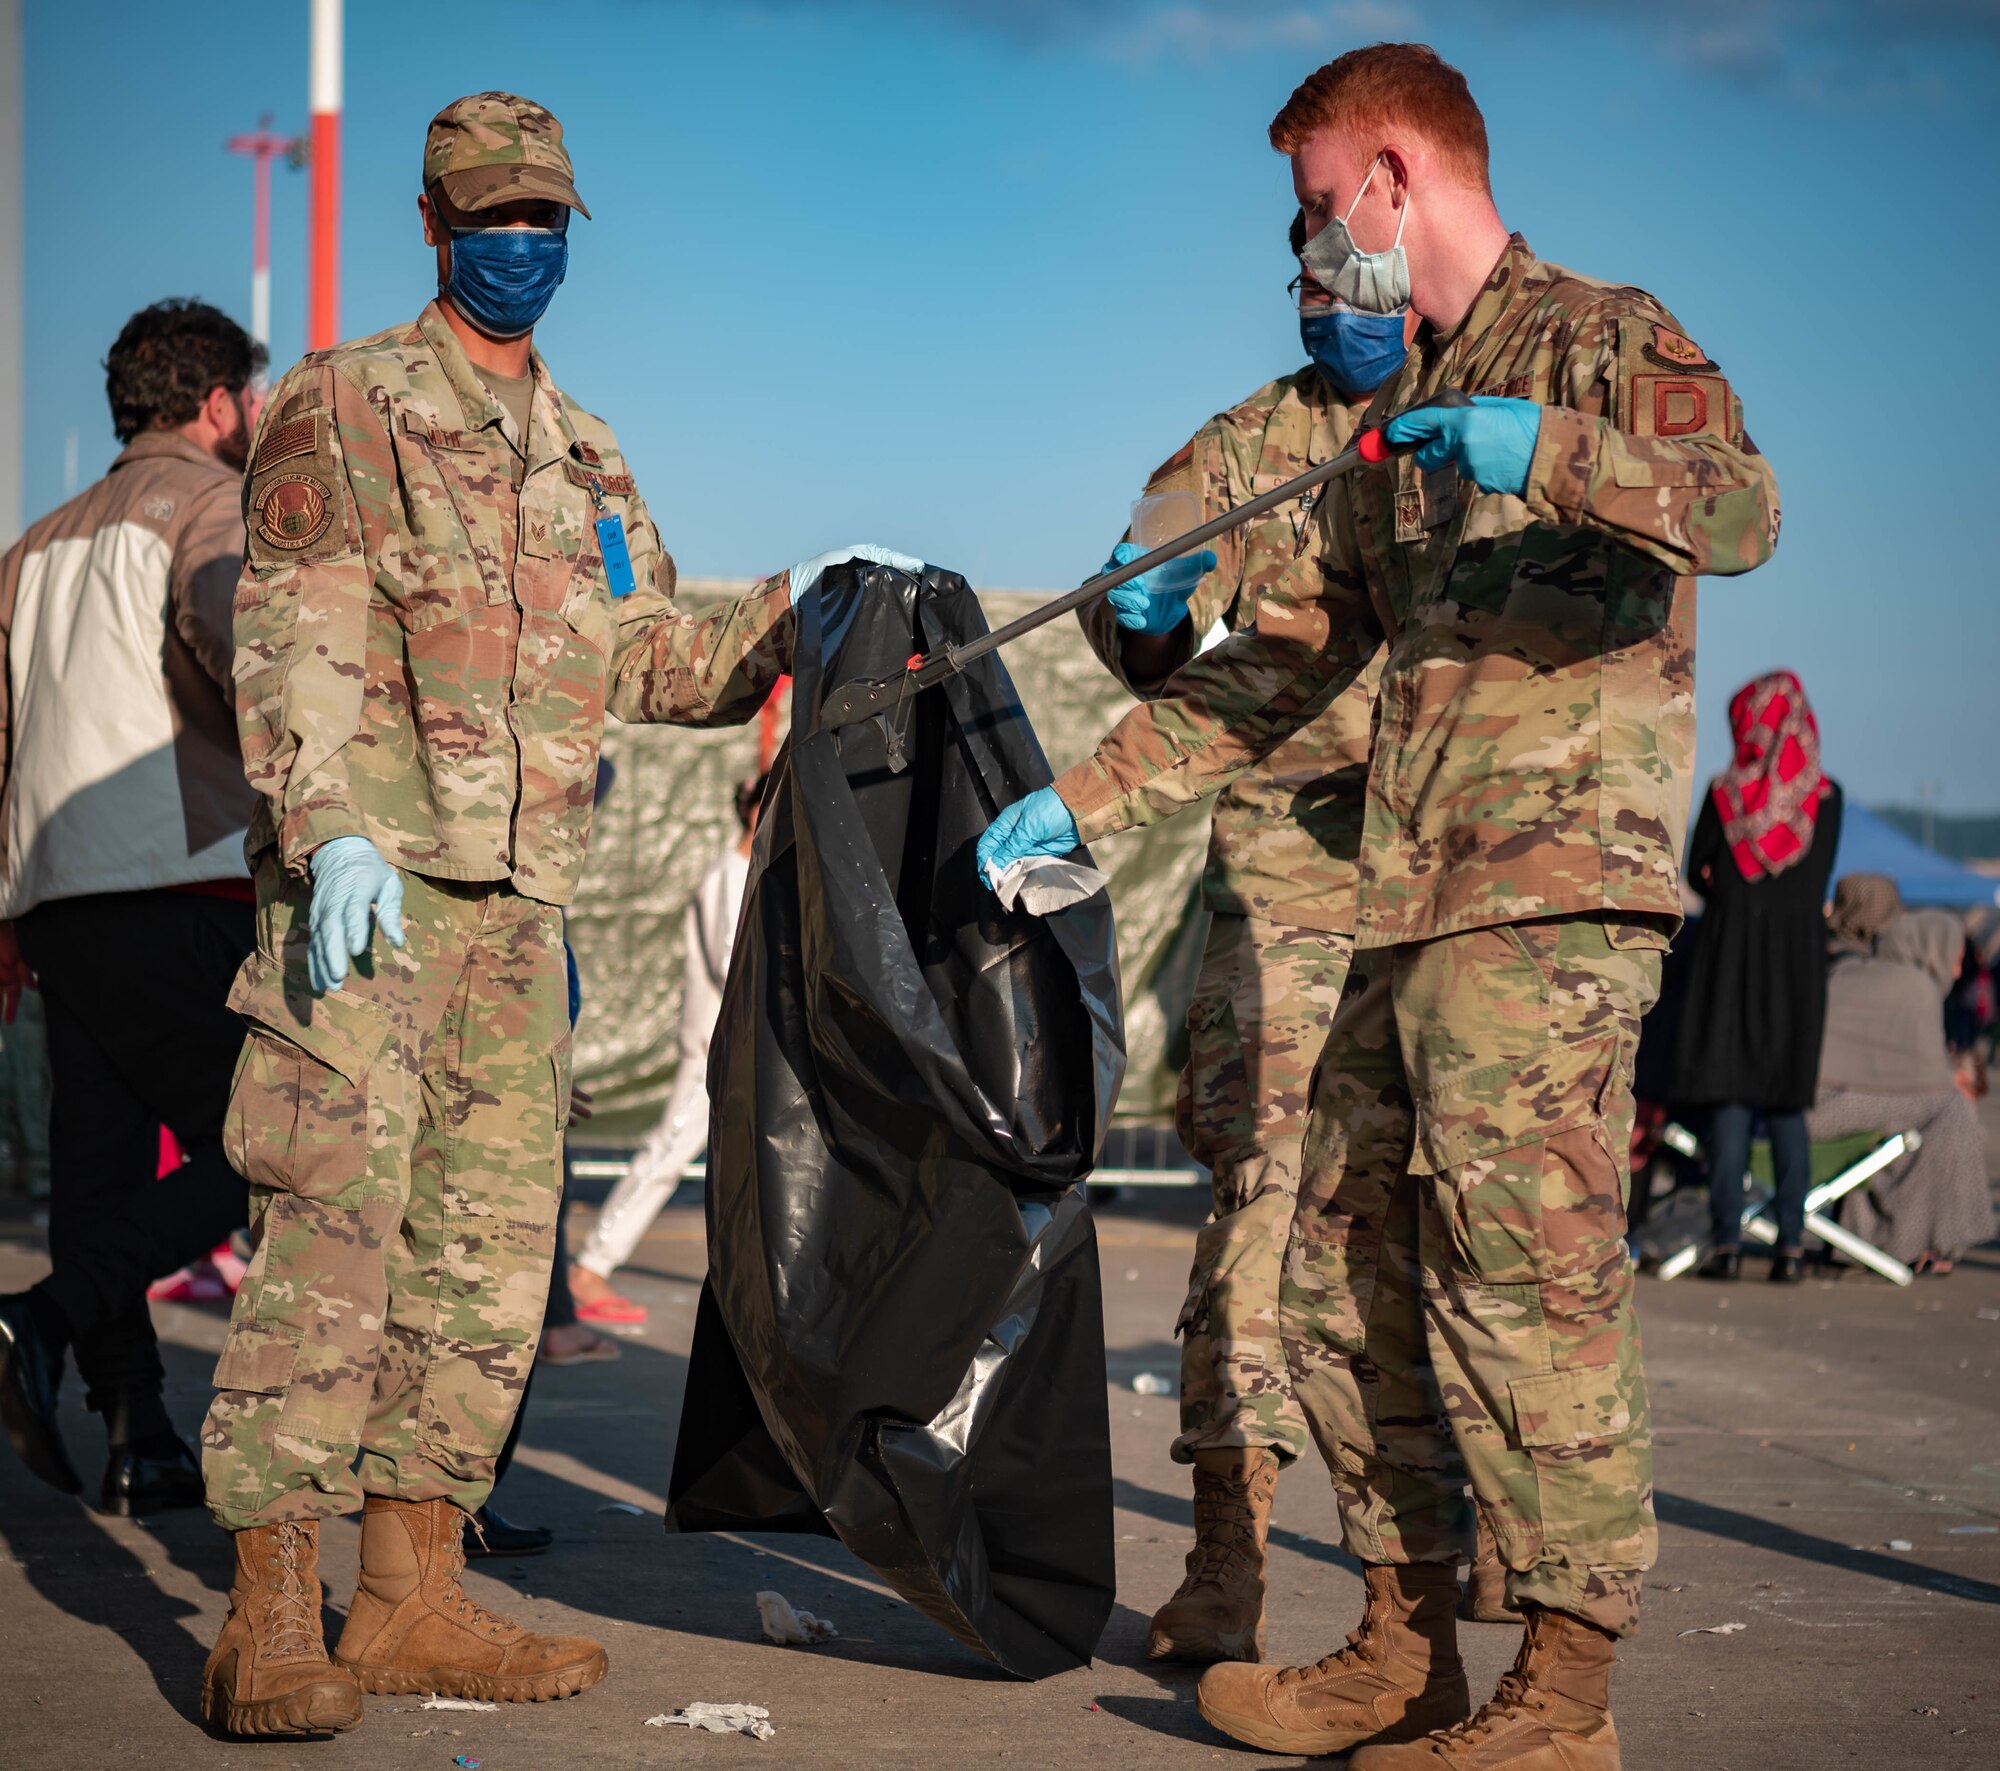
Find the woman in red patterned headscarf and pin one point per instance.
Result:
(1749, 1040)
(1769, 797)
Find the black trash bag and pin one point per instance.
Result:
(901, 1337)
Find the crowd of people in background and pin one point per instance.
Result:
(1813, 1022)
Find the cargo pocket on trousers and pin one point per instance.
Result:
(298, 1109)
(1192, 1322)
(564, 1059)
(1592, 1480)
(1213, 1112)
(1528, 1182)
(257, 1360)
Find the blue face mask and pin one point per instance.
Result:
(503, 279)
(1356, 352)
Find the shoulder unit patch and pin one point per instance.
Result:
(293, 511)
(1672, 350)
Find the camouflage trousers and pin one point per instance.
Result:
(1262, 1005)
(1457, 1301)
(402, 1141)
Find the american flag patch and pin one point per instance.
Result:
(299, 436)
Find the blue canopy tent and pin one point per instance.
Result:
(1869, 844)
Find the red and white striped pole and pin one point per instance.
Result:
(323, 260)
(262, 147)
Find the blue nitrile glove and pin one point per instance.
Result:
(1038, 825)
(1155, 601)
(1492, 440)
(350, 880)
(806, 573)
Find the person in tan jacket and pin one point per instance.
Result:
(124, 895)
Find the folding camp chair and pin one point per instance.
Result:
(1839, 1166)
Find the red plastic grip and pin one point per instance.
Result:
(915, 659)
(1372, 446)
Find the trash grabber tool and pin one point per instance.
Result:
(863, 700)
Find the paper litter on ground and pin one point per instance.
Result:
(623, 1506)
(1901, 1543)
(719, 1718)
(1716, 1629)
(454, 1703)
(791, 1628)
(1151, 1383)
(1042, 885)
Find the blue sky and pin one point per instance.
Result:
(954, 274)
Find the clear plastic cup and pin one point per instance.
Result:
(1160, 516)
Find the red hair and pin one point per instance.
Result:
(1367, 94)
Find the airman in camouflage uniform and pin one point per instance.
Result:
(431, 626)
(1279, 886)
(1457, 1294)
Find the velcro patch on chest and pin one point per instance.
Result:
(1676, 406)
(613, 485)
(293, 511)
(285, 441)
(434, 434)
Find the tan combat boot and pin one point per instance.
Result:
(1396, 1677)
(269, 1673)
(1218, 1614)
(1552, 1712)
(1486, 1598)
(412, 1627)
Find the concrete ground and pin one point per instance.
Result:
(1829, 1481)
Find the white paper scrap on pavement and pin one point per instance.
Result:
(788, 1627)
(455, 1703)
(1041, 884)
(1716, 1629)
(719, 1718)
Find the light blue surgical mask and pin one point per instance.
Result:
(1356, 352)
(503, 279)
(1369, 282)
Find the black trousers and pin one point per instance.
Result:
(134, 987)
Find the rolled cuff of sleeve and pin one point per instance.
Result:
(1093, 800)
(305, 828)
(1559, 472)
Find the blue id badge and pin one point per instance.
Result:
(617, 556)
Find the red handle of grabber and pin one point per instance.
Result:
(1375, 448)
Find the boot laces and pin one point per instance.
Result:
(463, 1602)
(1509, 1698)
(291, 1617)
(1350, 1656)
(1225, 1532)
(1514, 1693)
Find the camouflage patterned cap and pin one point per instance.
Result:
(494, 147)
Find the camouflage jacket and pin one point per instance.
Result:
(1535, 724)
(425, 655)
(1286, 834)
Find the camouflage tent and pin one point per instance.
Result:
(668, 817)
(670, 814)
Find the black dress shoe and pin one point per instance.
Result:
(149, 1476)
(492, 1535)
(1723, 1263)
(30, 1373)
(1788, 1269)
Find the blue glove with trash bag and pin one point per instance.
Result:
(1038, 825)
(352, 888)
(1492, 440)
(1155, 601)
(805, 575)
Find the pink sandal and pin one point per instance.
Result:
(614, 1311)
